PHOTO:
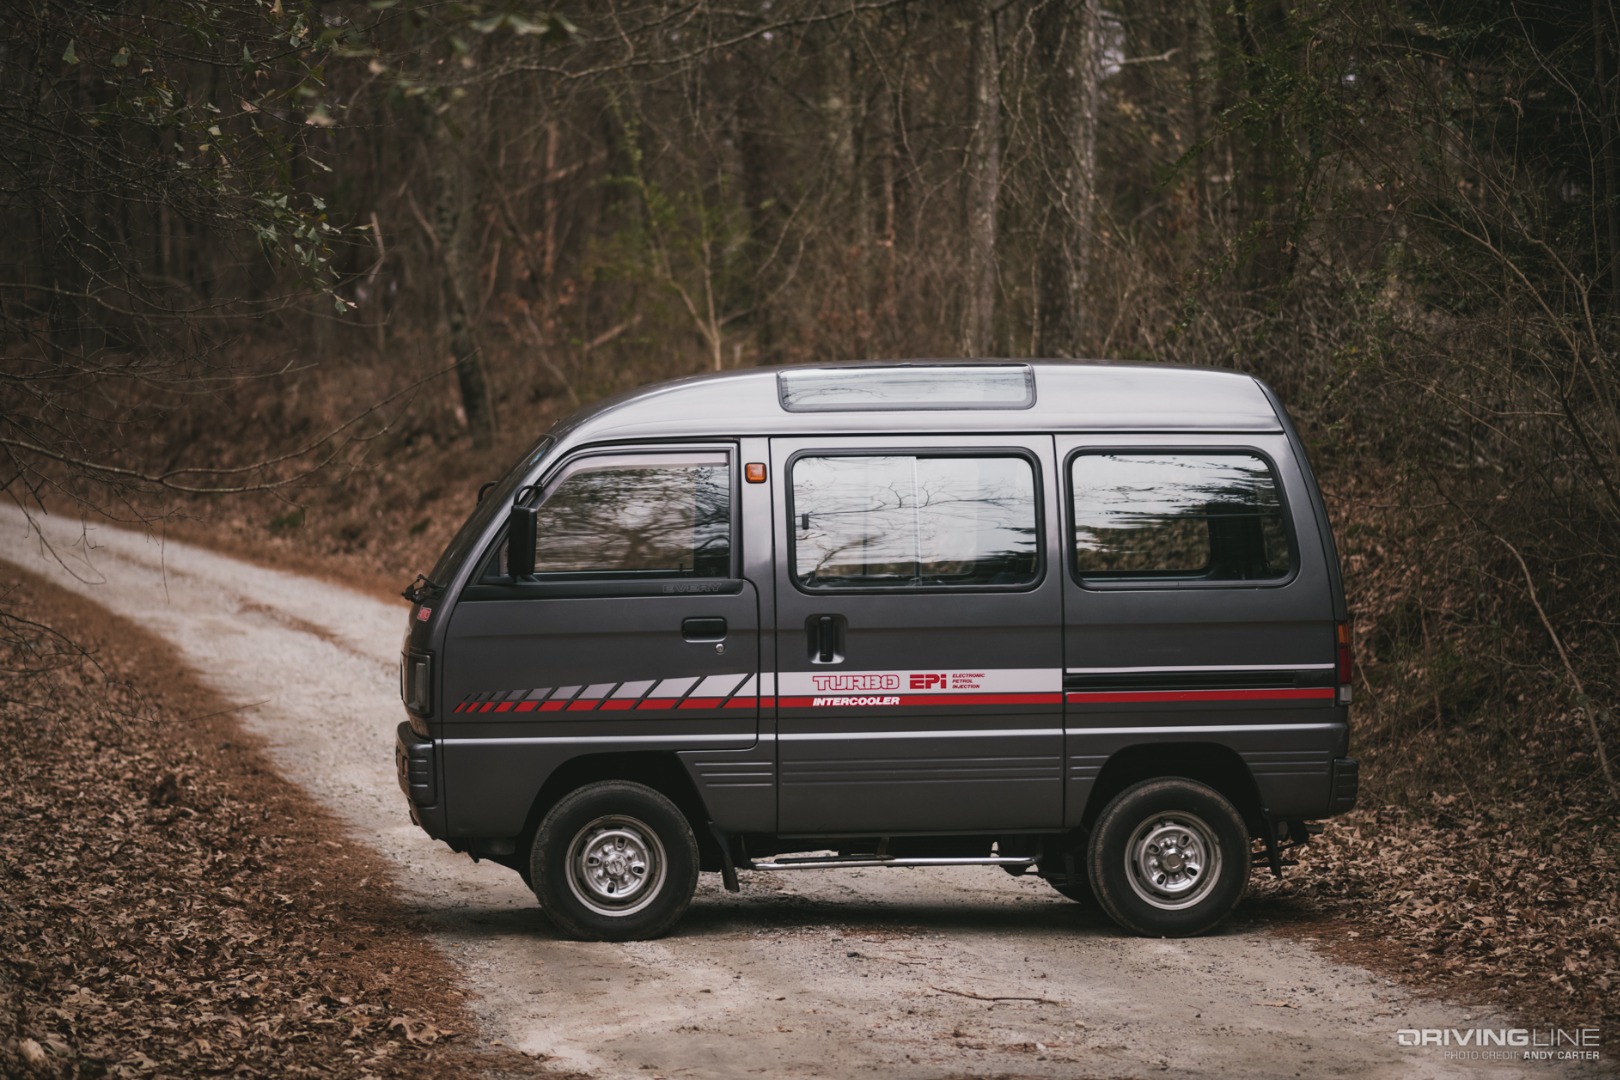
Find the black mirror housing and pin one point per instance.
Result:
(520, 540)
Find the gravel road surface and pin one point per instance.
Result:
(908, 973)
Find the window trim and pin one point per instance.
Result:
(789, 566)
(626, 583)
(1123, 584)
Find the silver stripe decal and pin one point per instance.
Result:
(634, 689)
(673, 688)
(992, 733)
(570, 740)
(1206, 667)
(718, 686)
(1203, 729)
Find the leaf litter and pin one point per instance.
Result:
(169, 906)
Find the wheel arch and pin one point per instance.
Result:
(662, 772)
(1218, 766)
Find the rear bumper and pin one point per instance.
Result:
(417, 770)
(1346, 785)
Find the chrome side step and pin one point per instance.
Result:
(836, 862)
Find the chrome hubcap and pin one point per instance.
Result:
(1173, 860)
(616, 865)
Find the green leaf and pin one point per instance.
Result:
(69, 55)
(121, 57)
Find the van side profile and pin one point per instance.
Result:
(1078, 620)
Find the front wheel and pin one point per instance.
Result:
(614, 861)
(1169, 858)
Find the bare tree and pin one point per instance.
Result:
(452, 203)
(1068, 65)
(982, 186)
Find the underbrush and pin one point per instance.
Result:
(1481, 860)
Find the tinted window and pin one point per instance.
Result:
(906, 521)
(1191, 515)
(658, 516)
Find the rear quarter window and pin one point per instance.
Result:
(1178, 515)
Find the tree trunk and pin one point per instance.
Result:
(1604, 96)
(983, 188)
(755, 157)
(451, 190)
(1066, 48)
(884, 139)
(1203, 90)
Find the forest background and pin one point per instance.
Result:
(298, 275)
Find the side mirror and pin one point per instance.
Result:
(520, 539)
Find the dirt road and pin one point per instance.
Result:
(854, 973)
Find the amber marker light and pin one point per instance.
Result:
(754, 472)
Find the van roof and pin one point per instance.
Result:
(896, 397)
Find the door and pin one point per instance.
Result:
(919, 643)
(636, 632)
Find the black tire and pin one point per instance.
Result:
(614, 861)
(1169, 858)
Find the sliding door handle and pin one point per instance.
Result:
(826, 634)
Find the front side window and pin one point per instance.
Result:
(1187, 515)
(644, 516)
(908, 521)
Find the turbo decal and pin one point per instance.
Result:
(921, 689)
(1016, 681)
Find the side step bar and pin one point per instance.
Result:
(835, 862)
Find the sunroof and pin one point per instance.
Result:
(930, 386)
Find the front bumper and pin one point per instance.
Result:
(418, 778)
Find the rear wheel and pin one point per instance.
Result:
(614, 861)
(1169, 858)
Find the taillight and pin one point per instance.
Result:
(1346, 661)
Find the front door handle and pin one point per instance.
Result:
(703, 628)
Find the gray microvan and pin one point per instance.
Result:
(1078, 620)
